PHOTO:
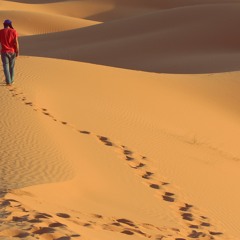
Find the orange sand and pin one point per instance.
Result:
(96, 149)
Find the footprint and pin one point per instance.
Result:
(42, 215)
(29, 103)
(187, 216)
(22, 235)
(169, 194)
(128, 232)
(56, 224)
(140, 165)
(108, 144)
(194, 226)
(63, 215)
(204, 224)
(126, 221)
(20, 219)
(216, 233)
(75, 235)
(168, 199)
(84, 132)
(129, 158)
(195, 234)
(4, 214)
(127, 152)
(147, 175)
(5, 204)
(97, 216)
(44, 230)
(186, 208)
(46, 113)
(116, 224)
(155, 186)
(105, 140)
(87, 224)
(35, 220)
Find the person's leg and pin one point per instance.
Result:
(12, 57)
(5, 61)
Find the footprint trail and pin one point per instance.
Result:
(197, 226)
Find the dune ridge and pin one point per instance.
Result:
(163, 41)
(42, 23)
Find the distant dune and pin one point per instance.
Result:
(192, 39)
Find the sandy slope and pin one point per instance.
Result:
(30, 19)
(96, 152)
(149, 139)
(32, 23)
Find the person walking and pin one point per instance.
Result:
(9, 50)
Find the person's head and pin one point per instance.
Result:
(7, 23)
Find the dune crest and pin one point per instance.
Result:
(177, 40)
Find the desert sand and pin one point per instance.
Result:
(123, 122)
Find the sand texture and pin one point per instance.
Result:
(123, 122)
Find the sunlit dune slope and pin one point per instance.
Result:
(31, 23)
(92, 10)
(188, 133)
(188, 39)
(30, 19)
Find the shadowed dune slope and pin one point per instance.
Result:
(194, 39)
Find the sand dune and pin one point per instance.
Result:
(173, 41)
(31, 19)
(98, 152)
(155, 167)
(32, 23)
(92, 10)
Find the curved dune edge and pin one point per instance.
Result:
(178, 40)
(188, 219)
(156, 37)
(34, 23)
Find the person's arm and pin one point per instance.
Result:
(17, 47)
